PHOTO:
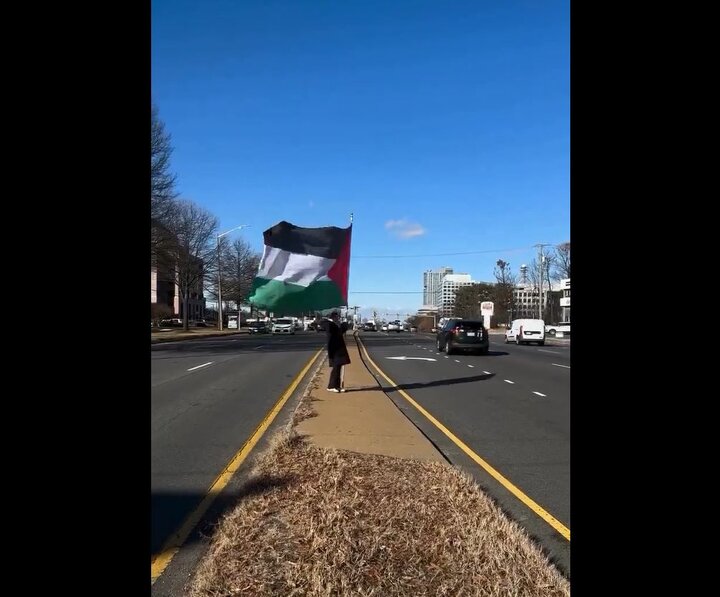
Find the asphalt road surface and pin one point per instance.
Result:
(511, 407)
(207, 398)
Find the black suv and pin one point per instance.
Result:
(463, 334)
(258, 327)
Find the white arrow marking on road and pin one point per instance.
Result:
(411, 358)
(539, 394)
(198, 367)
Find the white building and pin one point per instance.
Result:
(446, 295)
(526, 298)
(565, 299)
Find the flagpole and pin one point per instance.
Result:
(348, 296)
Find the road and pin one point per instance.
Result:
(510, 407)
(207, 398)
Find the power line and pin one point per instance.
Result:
(442, 254)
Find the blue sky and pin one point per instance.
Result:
(444, 126)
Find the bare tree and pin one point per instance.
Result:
(239, 265)
(504, 297)
(193, 256)
(562, 261)
(162, 188)
(162, 180)
(539, 275)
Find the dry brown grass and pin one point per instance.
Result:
(332, 523)
(305, 408)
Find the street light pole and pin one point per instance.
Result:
(220, 317)
(541, 262)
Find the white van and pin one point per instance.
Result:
(526, 330)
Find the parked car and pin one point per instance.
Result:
(553, 329)
(283, 326)
(258, 327)
(524, 331)
(463, 335)
(171, 323)
(369, 327)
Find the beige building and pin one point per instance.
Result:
(164, 290)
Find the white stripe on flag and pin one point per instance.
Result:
(277, 264)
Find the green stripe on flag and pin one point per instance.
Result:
(284, 298)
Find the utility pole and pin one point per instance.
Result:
(541, 260)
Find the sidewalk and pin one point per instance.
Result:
(173, 335)
(362, 419)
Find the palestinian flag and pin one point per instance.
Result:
(303, 269)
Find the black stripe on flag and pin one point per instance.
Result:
(324, 242)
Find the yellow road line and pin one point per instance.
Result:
(534, 506)
(161, 560)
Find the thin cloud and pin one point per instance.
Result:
(311, 203)
(404, 228)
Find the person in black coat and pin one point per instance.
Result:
(338, 355)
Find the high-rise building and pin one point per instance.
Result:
(432, 283)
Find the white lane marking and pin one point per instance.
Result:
(198, 367)
(486, 372)
(471, 365)
(539, 394)
(566, 366)
(508, 381)
(457, 361)
(437, 353)
(261, 346)
(550, 351)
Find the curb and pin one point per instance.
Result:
(161, 339)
